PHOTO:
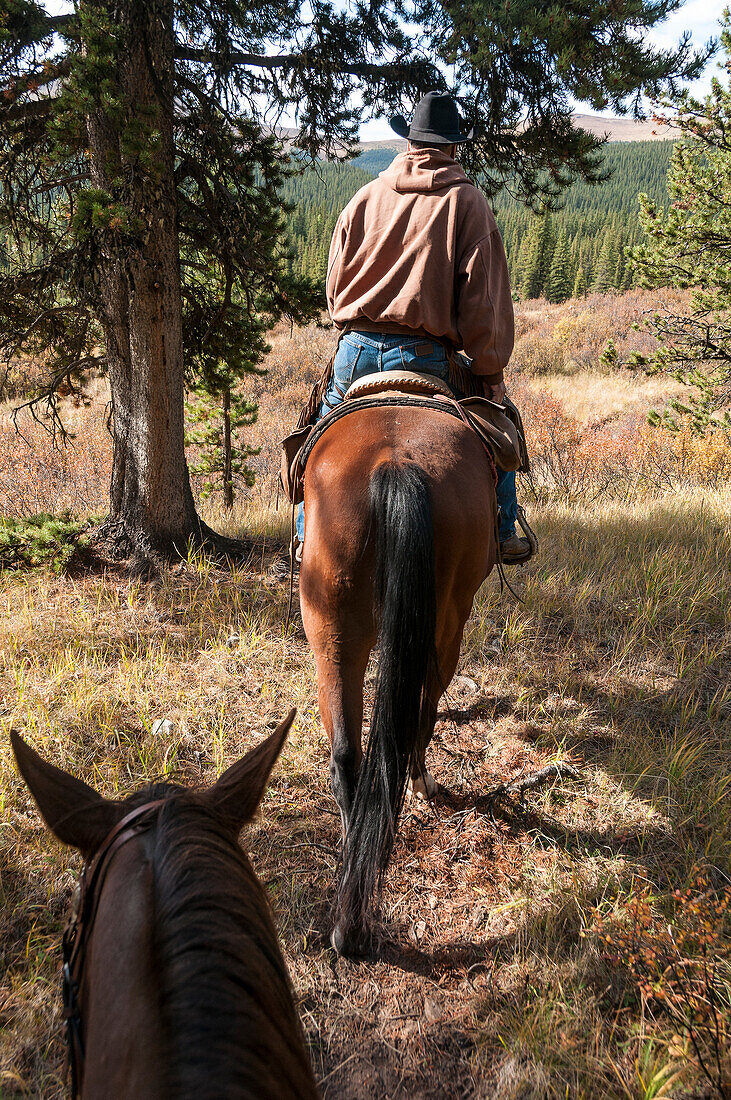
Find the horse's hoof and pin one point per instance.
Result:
(424, 787)
(347, 944)
(337, 940)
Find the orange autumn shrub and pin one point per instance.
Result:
(680, 968)
(40, 474)
(568, 460)
(615, 459)
(669, 460)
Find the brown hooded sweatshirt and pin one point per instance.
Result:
(419, 247)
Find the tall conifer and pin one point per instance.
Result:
(580, 284)
(136, 153)
(559, 284)
(605, 266)
(690, 247)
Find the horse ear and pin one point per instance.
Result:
(73, 811)
(238, 792)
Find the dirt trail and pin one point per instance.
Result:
(492, 980)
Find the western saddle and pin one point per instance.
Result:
(499, 427)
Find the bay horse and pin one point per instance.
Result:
(174, 982)
(400, 533)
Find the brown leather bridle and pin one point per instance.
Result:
(83, 912)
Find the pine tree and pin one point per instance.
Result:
(628, 277)
(559, 279)
(214, 421)
(521, 263)
(135, 157)
(619, 270)
(605, 266)
(531, 274)
(580, 284)
(585, 260)
(537, 258)
(689, 247)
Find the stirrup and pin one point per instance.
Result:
(532, 550)
(529, 534)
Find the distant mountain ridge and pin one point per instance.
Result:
(615, 129)
(625, 129)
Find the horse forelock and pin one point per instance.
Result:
(226, 1005)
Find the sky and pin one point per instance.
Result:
(700, 17)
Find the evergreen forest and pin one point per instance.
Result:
(582, 247)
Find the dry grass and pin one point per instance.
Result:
(589, 398)
(493, 981)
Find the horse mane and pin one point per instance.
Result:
(224, 988)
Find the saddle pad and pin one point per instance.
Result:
(404, 381)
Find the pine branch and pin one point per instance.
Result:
(63, 24)
(392, 69)
(36, 108)
(49, 395)
(61, 181)
(16, 341)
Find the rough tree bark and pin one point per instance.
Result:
(152, 512)
(228, 485)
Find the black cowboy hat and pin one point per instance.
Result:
(436, 119)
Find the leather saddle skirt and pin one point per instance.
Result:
(498, 426)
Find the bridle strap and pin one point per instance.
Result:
(77, 931)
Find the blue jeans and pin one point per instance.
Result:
(362, 353)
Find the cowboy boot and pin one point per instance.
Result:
(515, 550)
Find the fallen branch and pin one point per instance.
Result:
(534, 779)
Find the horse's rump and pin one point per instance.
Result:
(462, 491)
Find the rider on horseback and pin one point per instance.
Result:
(417, 269)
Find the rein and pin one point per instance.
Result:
(83, 913)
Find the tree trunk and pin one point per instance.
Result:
(152, 512)
(228, 487)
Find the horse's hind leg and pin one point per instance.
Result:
(340, 690)
(423, 784)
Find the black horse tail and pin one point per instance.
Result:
(405, 609)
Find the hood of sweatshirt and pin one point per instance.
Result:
(423, 170)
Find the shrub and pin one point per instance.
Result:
(681, 968)
(41, 540)
(40, 474)
(568, 338)
(618, 459)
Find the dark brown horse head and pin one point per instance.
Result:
(182, 989)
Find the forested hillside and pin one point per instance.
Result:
(580, 248)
